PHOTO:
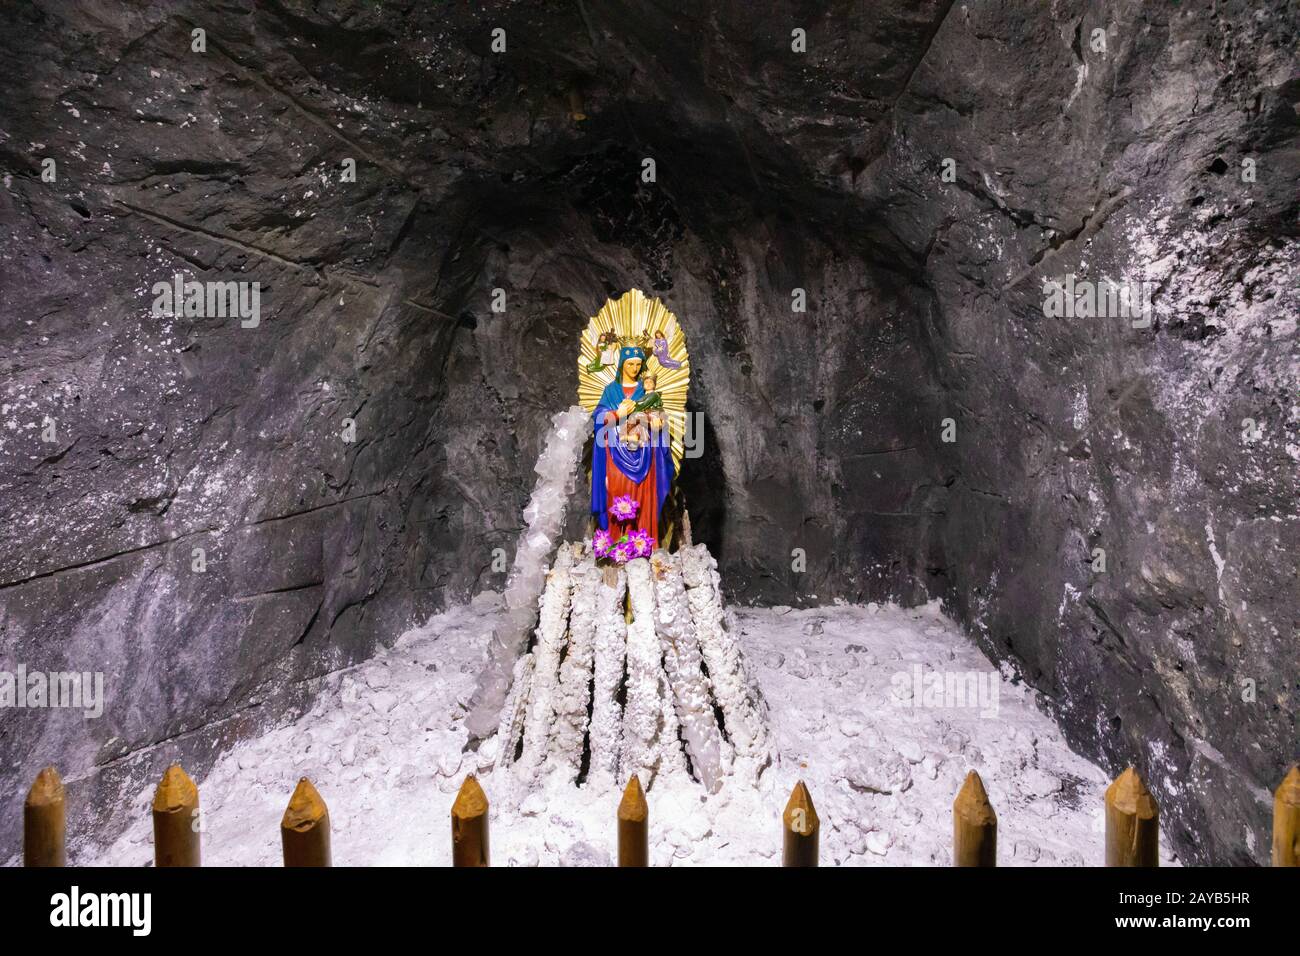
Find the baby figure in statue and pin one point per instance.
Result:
(652, 397)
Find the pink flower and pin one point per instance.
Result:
(600, 543)
(624, 551)
(643, 544)
(624, 508)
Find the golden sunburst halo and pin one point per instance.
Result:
(632, 317)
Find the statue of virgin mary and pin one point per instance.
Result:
(632, 458)
(637, 402)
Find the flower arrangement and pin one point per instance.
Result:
(632, 544)
(635, 544)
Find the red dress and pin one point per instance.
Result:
(618, 484)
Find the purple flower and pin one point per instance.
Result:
(600, 543)
(623, 552)
(641, 541)
(624, 508)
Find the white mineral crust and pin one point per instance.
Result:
(557, 471)
(575, 673)
(644, 711)
(610, 650)
(553, 622)
(512, 714)
(672, 759)
(737, 698)
(681, 652)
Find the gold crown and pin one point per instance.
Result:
(641, 341)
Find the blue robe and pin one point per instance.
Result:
(634, 464)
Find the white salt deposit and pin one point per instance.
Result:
(557, 472)
(385, 747)
(654, 728)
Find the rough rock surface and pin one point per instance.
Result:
(776, 170)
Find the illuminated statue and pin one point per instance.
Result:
(638, 407)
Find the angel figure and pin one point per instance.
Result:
(661, 351)
(607, 347)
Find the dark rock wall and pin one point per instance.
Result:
(775, 171)
(1076, 434)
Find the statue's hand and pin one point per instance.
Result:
(625, 406)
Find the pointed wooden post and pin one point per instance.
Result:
(176, 820)
(802, 829)
(1286, 820)
(576, 112)
(305, 829)
(1132, 823)
(974, 825)
(633, 826)
(469, 825)
(45, 821)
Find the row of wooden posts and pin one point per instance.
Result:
(1132, 824)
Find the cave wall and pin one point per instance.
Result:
(775, 171)
(1125, 160)
(350, 464)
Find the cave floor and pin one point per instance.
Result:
(384, 745)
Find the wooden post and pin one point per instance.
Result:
(305, 829)
(176, 820)
(633, 826)
(575, 105)
(974, 825)
(45, 821)
(1132, 823)
(469, 825)
(1286, 820)
(802, 829)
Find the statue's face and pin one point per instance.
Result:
(632, 368)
